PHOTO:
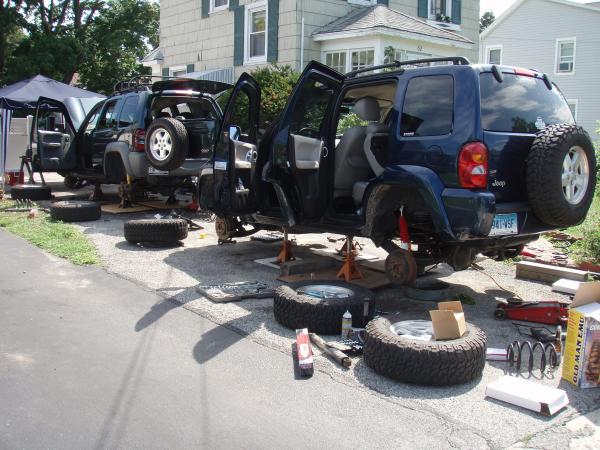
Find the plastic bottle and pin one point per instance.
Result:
(346, 324)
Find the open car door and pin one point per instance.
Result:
(236, 151)
(53, 137)
(303, 139)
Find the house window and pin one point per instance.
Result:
(396, 55)
(440, 10)
(337, 61)
(565, 55)
(256, 32)
(178, 71)
(362, 58)
(218, 5)
(494, 55)
(573, 107)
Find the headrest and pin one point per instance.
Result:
(367, 108)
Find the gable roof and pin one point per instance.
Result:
(382, 19)
(595, 7)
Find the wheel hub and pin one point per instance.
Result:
(575, 175)
(421, 330)
(325, 291)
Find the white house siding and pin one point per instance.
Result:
(528, 39)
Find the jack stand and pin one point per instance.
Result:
(171, 200)
(97, 195)
(349, 270)
(286, 249)
(126, 194)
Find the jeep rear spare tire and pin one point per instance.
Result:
(398, 351)
(75, 211)
(165, 231)
(30, 192)
(561, 175)
(319, 305)
(167, 143)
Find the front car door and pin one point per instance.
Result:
(302, 141)
(104, 133)
(235, 158)
(53, 137)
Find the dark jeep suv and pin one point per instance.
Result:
(156, 135)
(472, 158)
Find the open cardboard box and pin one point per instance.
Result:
(581, 360)
(448, 320)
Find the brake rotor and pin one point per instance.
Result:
(225, 227)
(401, 267)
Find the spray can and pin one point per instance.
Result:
(346, 324)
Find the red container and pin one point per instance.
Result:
(14, 177)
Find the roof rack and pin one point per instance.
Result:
(139, 82)
(455, 60)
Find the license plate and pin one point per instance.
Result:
(153, 171)
(504, 224)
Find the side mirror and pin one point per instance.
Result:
(234, 132)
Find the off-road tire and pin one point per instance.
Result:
(435, 363)
(151, 230)
(543, 175)
(30, 192)
(75, 211)
(322, 316)
(180, 143)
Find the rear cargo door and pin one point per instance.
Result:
(236, 154)
(53, 137)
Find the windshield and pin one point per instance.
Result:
(520, 104)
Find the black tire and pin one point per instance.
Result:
(179, 143)
(323, 316)
(151, 230)
(75, 211)
(70, 182)
(544, 171)
(30, 192)
(435, 363)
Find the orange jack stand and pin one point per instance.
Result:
(286, 250)
(349, 270)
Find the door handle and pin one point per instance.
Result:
(324, 152)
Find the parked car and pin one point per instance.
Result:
(156, 135)
(476, 158)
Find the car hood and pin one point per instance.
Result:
(183, 84)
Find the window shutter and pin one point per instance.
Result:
(205, 7)
(383, 2)
(273, 31)
(165, 72)
(422, 11)
(456, 5)
(190, 68)
(238, 36)
(233, 4)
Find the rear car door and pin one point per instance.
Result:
(235, 158)
(298, 168)
(53, 137)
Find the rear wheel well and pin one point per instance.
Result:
(114, 169)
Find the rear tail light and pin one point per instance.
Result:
(473, 165)
(139, 140)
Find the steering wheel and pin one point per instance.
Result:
(310, 132)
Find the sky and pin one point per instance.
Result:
(499, 6)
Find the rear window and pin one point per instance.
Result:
(520, 104)
(428, 106)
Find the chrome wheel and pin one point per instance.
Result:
(575, 175)
(160, 144)
(421, 330)
(325, 291)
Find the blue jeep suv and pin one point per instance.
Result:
(457, 158)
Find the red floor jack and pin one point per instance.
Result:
(551, 312)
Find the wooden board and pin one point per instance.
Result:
(544, 272)
(371, 279)
(160, 204)
(113, 208)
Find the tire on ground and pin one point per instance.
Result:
(544, 175)
(435, 363)
(75, 211)
(178, 143)
(323, 316)
(30, 192)
(151, 230)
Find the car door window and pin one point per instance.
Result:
(108, 119)
(92, 120)
(128, 113)
(428, 106)
(309, 113)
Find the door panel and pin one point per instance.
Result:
(235, 161)
(53, 137)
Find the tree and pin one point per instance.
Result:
(486, 20)
(11, 22)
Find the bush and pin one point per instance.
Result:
(276, 83)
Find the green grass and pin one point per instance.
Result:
(55, 237)
(592, 221)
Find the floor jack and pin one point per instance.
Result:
(285, 253)
(349, 270)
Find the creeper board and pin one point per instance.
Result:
(234, 292)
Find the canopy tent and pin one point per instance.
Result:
(24, 95)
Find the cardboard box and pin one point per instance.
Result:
(581, 360)
(517, 391)
(448, 320)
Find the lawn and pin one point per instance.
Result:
(58, 238)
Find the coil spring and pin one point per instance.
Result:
(548, 355)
